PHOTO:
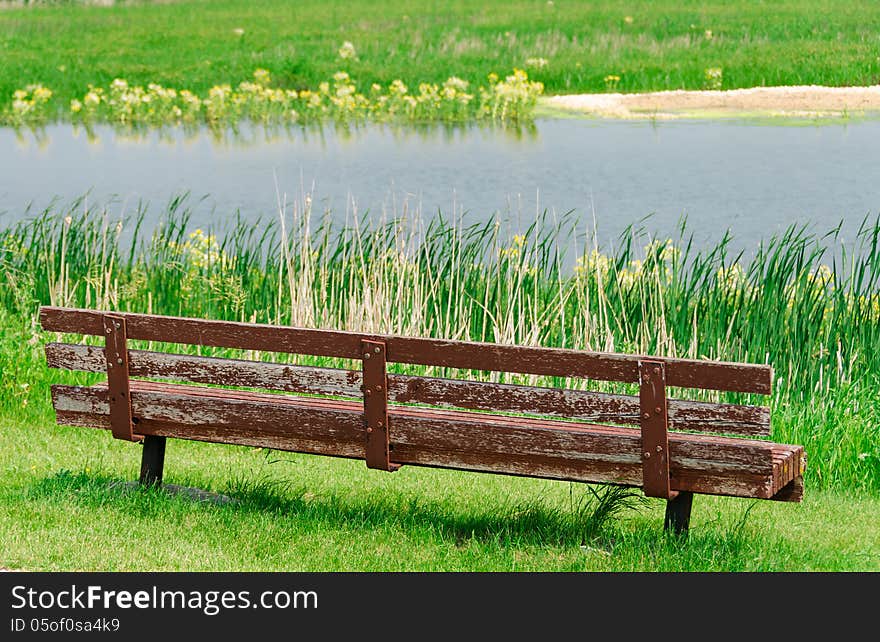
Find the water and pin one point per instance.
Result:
(755, 179)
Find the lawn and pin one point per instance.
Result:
(62, 505)
(60, 511)
(799, 302)
(569, 46)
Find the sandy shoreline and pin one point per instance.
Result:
(798, 101)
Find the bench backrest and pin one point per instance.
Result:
(475, 395)
(602, 366)
(651, 409)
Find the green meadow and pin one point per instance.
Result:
(800, 303)
(568, 46)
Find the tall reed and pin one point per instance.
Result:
(803, 303)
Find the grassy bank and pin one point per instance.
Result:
(801, 303)
(60, 511)
(568, 46)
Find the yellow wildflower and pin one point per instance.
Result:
(347, 51)
(262, 77)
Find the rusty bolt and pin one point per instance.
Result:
(647, 455)
(109, 331)
(659, 449)
(656, 371)
(116, 323)
(369, 430)
(379, 423)
(378, 387)
(377, 350)
(646, 379)
(119, 361)
(658, 410)
(366, 355)
(368, 392)
(647, 415)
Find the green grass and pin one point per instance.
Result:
(60, 511)
(802, 303)
(61, 507)
(193, 44)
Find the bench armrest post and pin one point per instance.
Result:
(118, 388)
(654, 421)
(375, 386)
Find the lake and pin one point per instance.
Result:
(753, 178)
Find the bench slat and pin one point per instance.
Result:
(447, 393)
(557, 450)
(710, 375)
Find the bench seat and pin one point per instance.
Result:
(445, 438)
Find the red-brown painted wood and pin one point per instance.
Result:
(713, 375)
(376, 406)
(518, 446)
(583, 405)
(116, 365)
(655, 431)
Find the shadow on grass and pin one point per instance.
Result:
(584, 519)
(588, 520)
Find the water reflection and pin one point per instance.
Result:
(752, 179)
(254, 134)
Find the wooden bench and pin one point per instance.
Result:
(648, 441)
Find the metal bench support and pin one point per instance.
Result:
(375, 385)
(116, 353)
(654, 420)
(152, 461)
(678, 513)
(654, 423)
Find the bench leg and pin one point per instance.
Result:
(152, 461)
(678, 513)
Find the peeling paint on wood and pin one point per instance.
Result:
(554, 433)
(490, 443)
(712, 375)
(447, 393)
